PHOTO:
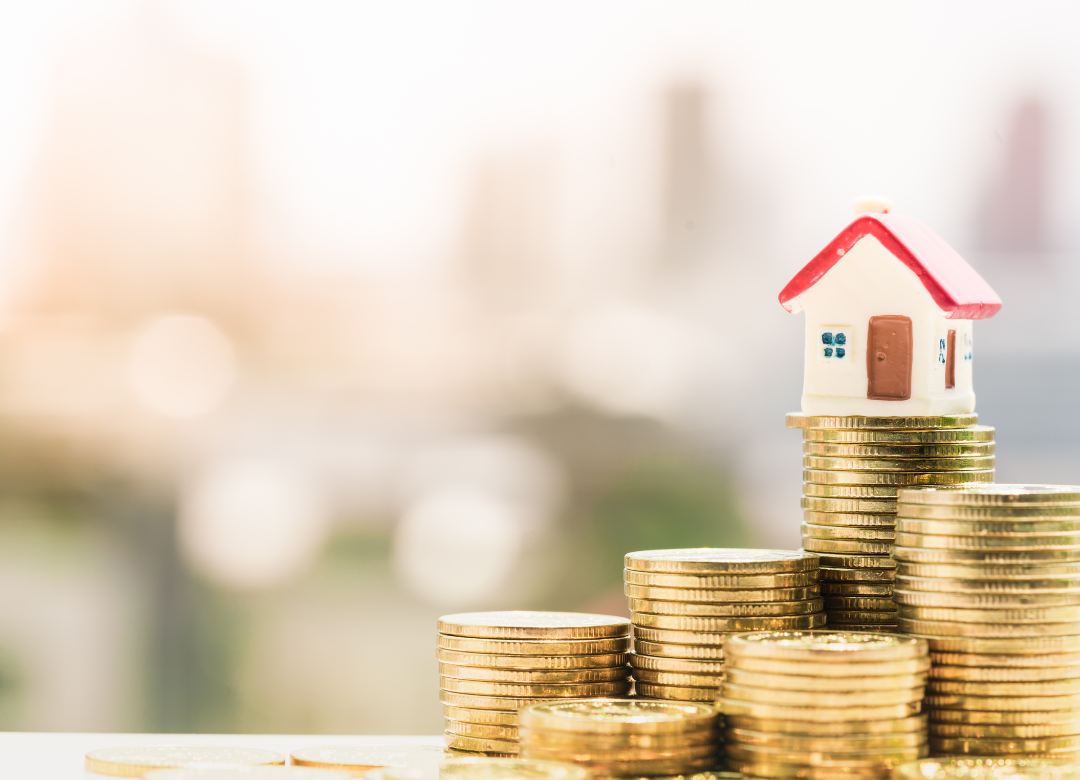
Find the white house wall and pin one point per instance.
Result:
(868, 282)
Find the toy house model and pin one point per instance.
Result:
(889, 308)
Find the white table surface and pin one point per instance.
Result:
(37, 756)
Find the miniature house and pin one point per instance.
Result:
(889, 308)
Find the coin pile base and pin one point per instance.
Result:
(854, 467)
(623, 737)
(991, 577)
(493, 663)
(137, 760)
(684, 602)
(988, 768)
(824, 704)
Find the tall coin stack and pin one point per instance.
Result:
(685, 602)
(493, 663)
(991, 578)
(824, 705)
(853, 469)
(612, 737)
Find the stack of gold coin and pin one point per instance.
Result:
(493, 663)
(991, 578)
(854, 467)
(684, 602)
(620, 737)
(988, 768)
(821, 704)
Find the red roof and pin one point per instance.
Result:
(954, 285)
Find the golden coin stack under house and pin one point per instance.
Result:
(493, 663)
(991, 578)
(685, 602)
(853, 470)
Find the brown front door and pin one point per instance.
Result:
(888, 358)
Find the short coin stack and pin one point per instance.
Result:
(991, 578)
(613, 737)
(853, 469)
(823, 705)
(493, 663)
(684, 603)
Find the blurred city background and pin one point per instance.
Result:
(319, 320)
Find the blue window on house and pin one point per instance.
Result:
(826, 338)
(841, 339)
(840, 351)
(828, 351)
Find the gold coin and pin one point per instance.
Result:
(993, 528)
(975, 433)
(780, 608)
(1005, 717)
(855, 423)
(676, 678)
(918, 598)
(484, 702)
(661, 664)
(884, 755)
(533, 625)
(535, 646)
(858, 523)
(1033, 660)
(481, 717)
(855, 511)
(902, 451)
(1021, 674)
(879, 576)
(710, 624)
(469, 755)
(675, 692)
(876, 492)
(825, 770)
(816, 698)
(481, 730)
(990, 768)
(476, 745)
(358, 759)
(995, 703)
(721, 560)
(816, 714)
(991, 746)
(835, 668)
(849, 589)
(860, 604)
(844, 743)
(808, 680)
(944, 628)
(588, 753)
(1009, 557)
(679, 651)
(529, 690)
(839, 617)
(989, 571)
(989, 543)
(720, 596)
(737, 582)
(908, 725)
(999, 494)
(815, 531)
(532, 675)
(262, 772)
(632, 768)
(1027, 513)
(990, 586)
(684, 741)
(619, 716)
(1027, 616)
(826, 647)
(897, 478)
(529, 662)
(970, 731)
(137, 760)
(1032, 645)
(1039, 688)
(902, 465)
(474, 768)
(858, 561)
(678, 637)
(840, 547)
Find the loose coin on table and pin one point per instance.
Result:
(358, 759)
(506, 769)
(271, 772)
(135, 761)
